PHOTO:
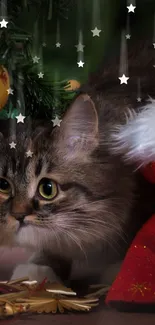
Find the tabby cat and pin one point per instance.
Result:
(74, 201)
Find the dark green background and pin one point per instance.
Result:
(61, 63)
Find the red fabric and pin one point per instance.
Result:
(135, 282)
(149, 172)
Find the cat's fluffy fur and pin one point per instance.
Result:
(93, 203)
(90, 217)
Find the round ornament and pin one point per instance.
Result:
(4, 86)
(73, 85)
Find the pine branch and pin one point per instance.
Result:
(43, 98)
(59, 7)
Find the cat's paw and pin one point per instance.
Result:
(34, 272)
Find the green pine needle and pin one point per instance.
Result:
(42, 98)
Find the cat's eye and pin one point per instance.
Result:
(5, 187)
(47, 189)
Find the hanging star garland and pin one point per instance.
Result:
(35, 59)
(40, 75)
(12, 145)
(56, 121)
(29, 154)
(80, 47)
(123, 79)
(58, 44)
(80, 64)
(10, 91)
(131, 8)
(96, 32)
(20, 118)
(3, 23)
(128, 36)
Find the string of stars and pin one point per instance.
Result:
(80, 48)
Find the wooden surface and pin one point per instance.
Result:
(101, 316)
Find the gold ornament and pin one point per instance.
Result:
(30, 296)
(4, 86)
(73, 85)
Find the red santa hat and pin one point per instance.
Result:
(136, 139)
(134, 287)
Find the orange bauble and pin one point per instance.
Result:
(73, 85)
(149, 172)
(4, 86)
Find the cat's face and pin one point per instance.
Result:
(69, 194)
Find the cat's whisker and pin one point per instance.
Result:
(56, 234)
(89, 223)
(76, 240)
(77, 218)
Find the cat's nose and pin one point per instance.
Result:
(20, 217)
(19, 209)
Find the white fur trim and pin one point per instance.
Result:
(136, 139)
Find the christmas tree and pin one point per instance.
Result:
(25, 86)
(47, 44)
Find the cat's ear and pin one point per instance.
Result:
(79, 127)
(136, 139)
